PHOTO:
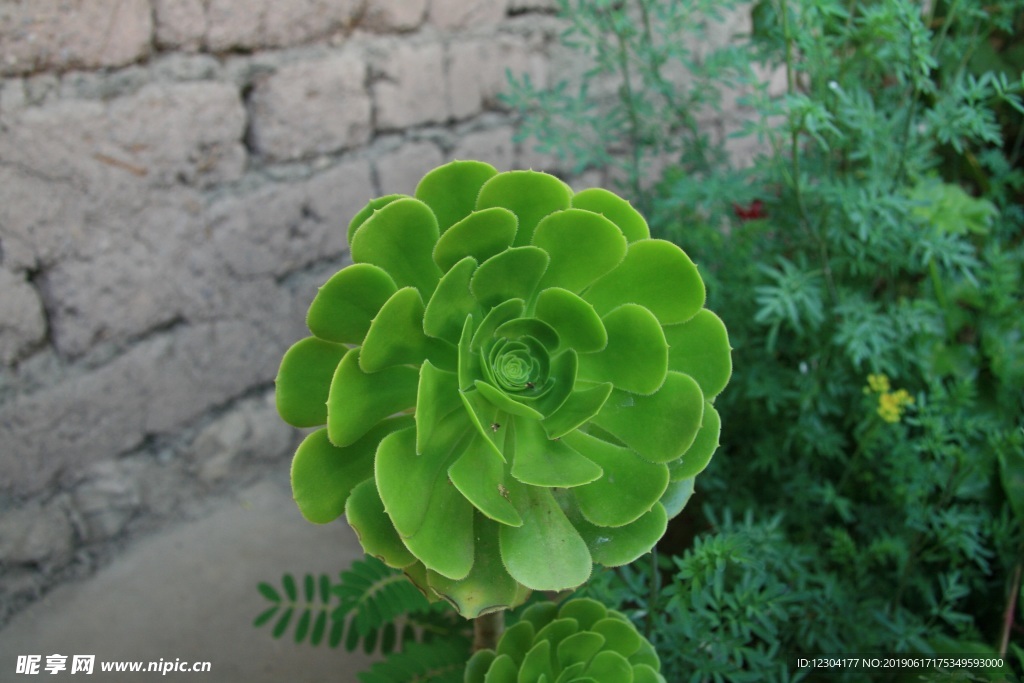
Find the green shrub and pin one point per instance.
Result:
(869, 265)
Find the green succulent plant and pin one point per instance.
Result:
(514, 381)
(580, 641)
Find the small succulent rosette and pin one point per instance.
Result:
(514, 381)
(580, 641)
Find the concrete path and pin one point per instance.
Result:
(189, 594)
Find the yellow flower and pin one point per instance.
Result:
(891, 405)
(878, 383)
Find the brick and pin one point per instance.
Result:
(78, 173)
(253, 24)
(411, 91)
(283, 228)
(156, 387)
(183, 132)
(66, 34)
(47, 184)
(495, 146)
(311, 108)
(130, 285)
(394, 15)
(22, 324)
(459, 14)
(106, 501)
(401, 170)
(477, 71)
(180, 24)
(250, 431)
(187, 263)
(35, 534)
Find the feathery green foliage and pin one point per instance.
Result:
(867, 258)
(371, 606)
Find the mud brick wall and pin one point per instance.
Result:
(175, 178)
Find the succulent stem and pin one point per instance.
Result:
(487, 629)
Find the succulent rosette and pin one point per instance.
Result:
(580, 641)
(514, 381)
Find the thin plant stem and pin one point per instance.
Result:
(652, 602)
(1008, 614)
(794, 153)
(487, 629)
(628, 97)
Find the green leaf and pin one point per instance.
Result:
(503, 402)
(357, 400)
(673, 295)
(677, 495)
(659, 427)
(546, 533)
(537, 663)
(539, 614)
(304, 381)
(344, 307)
(575, 321)
(396, 335)
(371, 207)
(437, 397)
(488, 587)
(517, 640)
(540, 461)
(319, 627)
(377, 534)
(282, 623)
(636, 356)
(620, 636)
(700, 348)
(530, 195)
(517, 328)
(616, 546)
(495, 318)
(503, 670)
(579, 407)
(265, 616)
(614, 208)
(586, 612)
(643, 673)
(697, 456)
(323, 475)
(290, 589)
(302, 628)
(582, 246)
(309, 587)
(477, 666)
(480, 235)
(451, 190)
(645, 656)
(629, 487)
(400, 239)
(512, 274)
(268, 591)
(452, 301)
(610, 667)
(579, 648)
(433, 518)
(479, 474)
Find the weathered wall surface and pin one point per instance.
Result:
(175, 178)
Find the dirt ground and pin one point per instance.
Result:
(189, 594)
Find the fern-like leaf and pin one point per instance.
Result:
(442, 661)
(375, 594)
(309, 615)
